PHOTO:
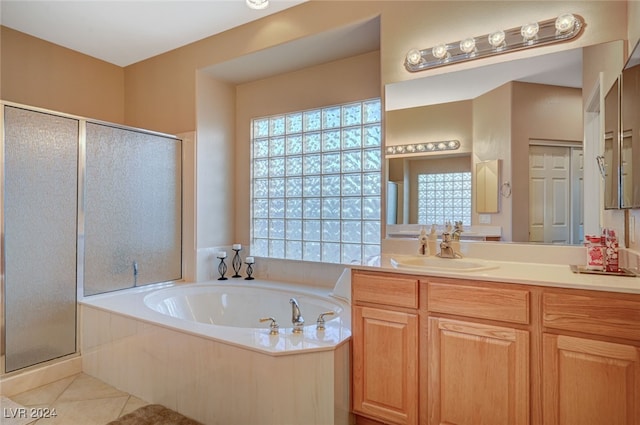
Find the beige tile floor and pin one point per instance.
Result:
(76, 400)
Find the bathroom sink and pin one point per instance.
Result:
(437, 263)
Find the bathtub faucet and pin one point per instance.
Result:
(296, 317)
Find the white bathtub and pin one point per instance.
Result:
(200, 349)
(230, 312)
(242, 305)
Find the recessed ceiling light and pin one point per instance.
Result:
(257, 4)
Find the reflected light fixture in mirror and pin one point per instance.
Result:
(258, 4)
(421, 148)
(564, 28)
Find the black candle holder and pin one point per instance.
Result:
(236, 262)
(222, 268)
(249, 271)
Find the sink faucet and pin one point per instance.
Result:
(457, 230)
(446, 250)
(296, 317)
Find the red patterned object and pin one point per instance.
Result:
(595, 252)
(611, 250)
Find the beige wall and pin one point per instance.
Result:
(492, 140)
(434, 123)
(214, 162)
(161, 91)
(37, 73)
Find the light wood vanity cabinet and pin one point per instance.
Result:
(591, 358)
(477, 361)
(385, 347)
(435, 351)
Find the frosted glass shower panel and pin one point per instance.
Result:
(133, 211)
(40, 213)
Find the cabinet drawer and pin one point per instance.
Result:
(507, 305)
(390, 290)
(598, 315)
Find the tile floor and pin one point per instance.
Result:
(76, 400)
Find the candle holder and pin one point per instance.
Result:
(236, 262)
(222, 268)
(249, 271)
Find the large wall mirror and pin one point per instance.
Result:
(527, 114)
(630, 132)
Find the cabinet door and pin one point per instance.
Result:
(478, 374)
(588, 382)
(385, 365)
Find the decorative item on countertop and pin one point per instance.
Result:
(595, 252)
(433, 239)
(249, 261)
(423, 240)
(610, 250)
(222, 267)
(236, 262)
(455, 236)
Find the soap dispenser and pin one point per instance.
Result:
(422, 239)
(433, 239)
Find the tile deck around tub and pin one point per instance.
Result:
(76, 400)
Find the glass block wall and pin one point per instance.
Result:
(444, 197)
(316, 179)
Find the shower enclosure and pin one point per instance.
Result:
(86, 207)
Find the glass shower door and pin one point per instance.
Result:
(39, 255)
(133, 209)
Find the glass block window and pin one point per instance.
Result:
(316, 179)
(444, 197)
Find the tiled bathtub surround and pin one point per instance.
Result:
(321, 275)
(214, 381)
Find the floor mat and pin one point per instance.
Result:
(153, 414)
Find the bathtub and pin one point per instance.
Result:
(200, 349)
(242, 306)
(230, 313)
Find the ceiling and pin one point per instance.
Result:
(126, 32)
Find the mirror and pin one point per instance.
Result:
(496, 112)
(630, 132)
(487, 183)
(611, 147)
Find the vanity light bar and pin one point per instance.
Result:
(563, 28)
(447, 145)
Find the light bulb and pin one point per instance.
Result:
(496, 39)
(565, 23)
(468, 45)
(440, 51)
(414, 57)
(258, 4)
(529, 31)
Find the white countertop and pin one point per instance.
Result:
(540, 274)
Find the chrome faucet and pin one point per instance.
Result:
(457, 230)
(296, 317)
(446, 250)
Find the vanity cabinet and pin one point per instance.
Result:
(437, 351)
(591, 358)
(477, 361)
(385, 348)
